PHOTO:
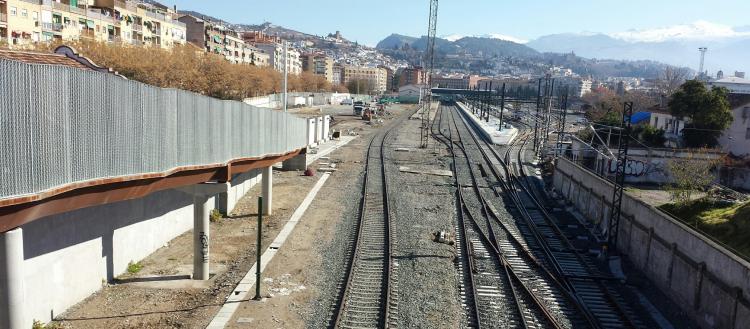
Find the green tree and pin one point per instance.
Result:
(708, 111)
(653, 137)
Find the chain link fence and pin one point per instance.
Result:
(61, 125)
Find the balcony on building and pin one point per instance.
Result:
(111, 4)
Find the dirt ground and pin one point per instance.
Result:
(162, 296)
(655, 196)
(291, 277)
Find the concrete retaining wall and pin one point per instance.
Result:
(238, 188)
(707, 280)
(68, 257)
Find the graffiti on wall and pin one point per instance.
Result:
(636, 168)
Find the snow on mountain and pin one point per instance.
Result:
(699, 30)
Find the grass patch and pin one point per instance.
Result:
(134, 268)
(39, 325)
(728, 224)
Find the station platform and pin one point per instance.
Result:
(490, 129)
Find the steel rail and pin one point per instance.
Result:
(566, 289)
(489, 238)
(529, 190)
(466, 250)
(383, 310)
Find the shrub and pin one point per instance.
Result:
(215, 216)
(653, 137)
(134, 268)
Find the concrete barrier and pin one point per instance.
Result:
(708, 281)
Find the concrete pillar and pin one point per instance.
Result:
(12, 285)
(222, 200)
(298, 162)
(267, 182)
(200, 237)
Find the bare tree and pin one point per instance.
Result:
(672, 78)
(691, 174)
(642, 101)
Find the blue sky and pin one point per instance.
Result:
(370, 21)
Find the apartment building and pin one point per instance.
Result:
(411, 76)
(276, 57)
(23, 22)
(20, 22)
(318, 64)
(450, 82)
(217, 39)
(389, 75)
(255, 56)
(377, 76)
(338, 75)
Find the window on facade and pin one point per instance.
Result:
(35, 16)
(24, 13)
(13, 11)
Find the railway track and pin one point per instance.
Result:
(597, 290)
(592, 293)
(498, 288)
(369, 298)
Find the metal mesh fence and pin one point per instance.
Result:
(60, 125)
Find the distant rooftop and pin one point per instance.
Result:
(63, 55)
(732, 80)
(30, 57)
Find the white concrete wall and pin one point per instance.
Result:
(318, 129)
(311, 131)
(240, 185)
(735, 139)
(69, 256)
(326, 127)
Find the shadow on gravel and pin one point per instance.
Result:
(153, 279)
(420, 256)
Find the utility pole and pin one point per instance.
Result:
(703, 51)
(622, 159)
(536, 117)
(258, 247)
(286, 74)
(431, 34)
(561, 122)
(502, 106)
(548, 109)
(487, 97)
